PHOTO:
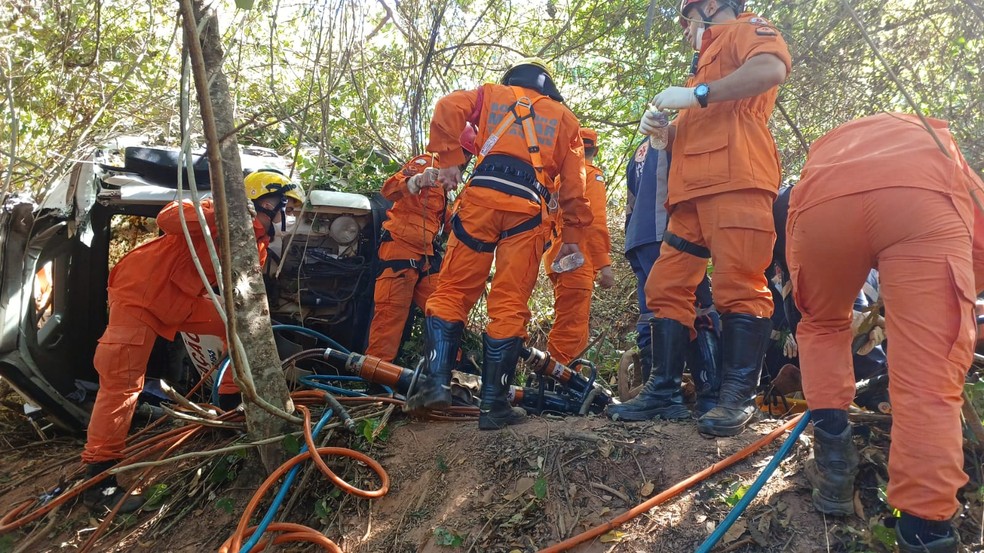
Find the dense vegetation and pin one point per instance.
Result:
(355, 81)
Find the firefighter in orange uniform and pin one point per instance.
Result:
(724, 177)
(528, 138)
(155, 290)
(572, 289)
(409, 263)
(879, 192)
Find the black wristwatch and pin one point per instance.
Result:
(701, 91)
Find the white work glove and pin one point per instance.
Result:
(652, 121)
(426, 179)
(864, 323)
(676, 97)
(875, 337)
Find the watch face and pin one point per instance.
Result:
(701, 90)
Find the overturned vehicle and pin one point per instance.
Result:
(55, 260)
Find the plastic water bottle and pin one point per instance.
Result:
(568, 262)
(658, 139)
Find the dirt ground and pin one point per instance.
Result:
(454, 488)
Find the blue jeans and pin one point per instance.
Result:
(641, 259)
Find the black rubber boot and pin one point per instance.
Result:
(442, 340)
(703, 359)
(498, 370)
(831, 471)
(661, 396)
(917, 535)
(743, 342)
(104, 496)
(228, 402)
(645, 362)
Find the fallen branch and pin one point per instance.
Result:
(613, 491)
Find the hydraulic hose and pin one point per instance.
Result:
(235, 543)
(258, 530)
(224, 365)
(671, 492)
(756, 486)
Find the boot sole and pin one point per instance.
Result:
(826, 505)
(423, 406)
(830, 507)
(719, 431)
(641, 416)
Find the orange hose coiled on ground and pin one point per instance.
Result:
(299, 532)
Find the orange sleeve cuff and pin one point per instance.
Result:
(571, 235)
(451, 158)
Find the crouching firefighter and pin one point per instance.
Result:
(572, 289)
(409, 257)
(155, 290)
(528, 138)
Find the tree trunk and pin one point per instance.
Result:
(245, 301)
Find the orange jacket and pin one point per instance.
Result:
(159, 276)
(727, 145)
(561, 148)
(414, 220)
(890, 150)
(596, 244)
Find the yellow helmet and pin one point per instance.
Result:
(296, 194)
(268, 181)
(534, 61)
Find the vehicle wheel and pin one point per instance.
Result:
(629, 376)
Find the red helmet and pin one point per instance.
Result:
(738, 5)
(467, 138)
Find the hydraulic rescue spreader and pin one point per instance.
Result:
(572, 394)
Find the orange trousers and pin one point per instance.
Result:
(737, 227)
(572, 309)
(121, 361)
(465, 271)
(922, 250)
(395, 292)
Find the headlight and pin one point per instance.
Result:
(344, 230)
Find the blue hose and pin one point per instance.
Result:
(282, 492)
(314, 381)
(756, 486)
(292, 328)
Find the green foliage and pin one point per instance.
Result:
(540, 487)
(226, 504)
(155, 495)
(737, 492)
(448, 538)
(227, 467)
(292, 445)
(367, 429)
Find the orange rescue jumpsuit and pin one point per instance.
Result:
(572, 289)
(724, 176)
(485, 213)
(878, 192)
(154, 290)
(409, 273)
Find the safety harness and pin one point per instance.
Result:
(686, 246)
(425, 264)
(509, 175)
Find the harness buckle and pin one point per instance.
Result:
(526, 103)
